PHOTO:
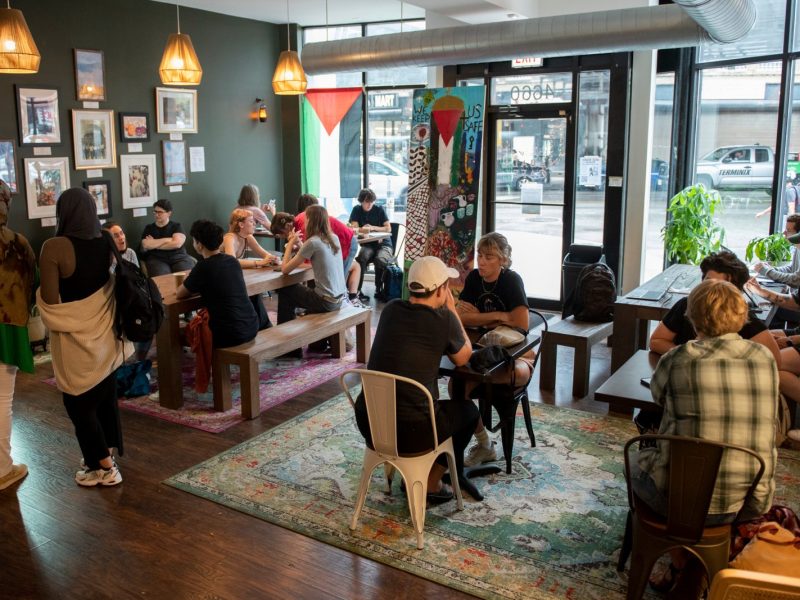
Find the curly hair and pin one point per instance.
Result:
(716, 307)
(280, 222)
(727, 263)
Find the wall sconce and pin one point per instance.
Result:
(262, 111)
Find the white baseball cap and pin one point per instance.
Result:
(428, 273)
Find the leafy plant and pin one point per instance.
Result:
(771, 248)
(692, 232)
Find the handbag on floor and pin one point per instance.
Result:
(774, 549)
(133, 379)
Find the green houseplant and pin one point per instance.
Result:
(771, 248)
(692, 232)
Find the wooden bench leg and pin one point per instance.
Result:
(363, 341)
(338, 346)
(548, 357)
(580, 376)
(221, 384)
(248, 377)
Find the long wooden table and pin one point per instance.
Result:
(624, 390)
(168, 341)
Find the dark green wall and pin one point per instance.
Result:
(238, 57)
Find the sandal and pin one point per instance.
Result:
(668, 580)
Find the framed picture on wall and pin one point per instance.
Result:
(139, 186)
(90, 79)
(134, 127)
(100, 189)
(94, 139)
(176, 110)
(8, 165)
(45, 178)
(175, 167)
(37, 114)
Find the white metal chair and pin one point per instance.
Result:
(737, 584)
(380, 396)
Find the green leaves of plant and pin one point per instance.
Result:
(692, 232)
(772, 248)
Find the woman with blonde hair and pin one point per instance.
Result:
(239, 240)
(249, 200)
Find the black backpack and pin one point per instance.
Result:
(139, 311)
(595, 294)
(392, 282)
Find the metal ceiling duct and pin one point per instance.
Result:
(644, 28)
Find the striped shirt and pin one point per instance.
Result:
(723, 389)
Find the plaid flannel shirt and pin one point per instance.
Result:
(723, 389)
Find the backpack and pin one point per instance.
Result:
(392, 282)
(139, 310)
(133, 379)
(595, 294)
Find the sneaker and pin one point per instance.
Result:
(16, 473)
(478, 454)
(356, 303)
(86, 468)
(104, 477)
(362, 296)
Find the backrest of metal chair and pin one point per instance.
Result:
(398, 238)
(536, 319)
(380, 396)
(693, 469)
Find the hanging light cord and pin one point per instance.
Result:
(326, 20)
(288, 31)
(401, 16)
(178, 13)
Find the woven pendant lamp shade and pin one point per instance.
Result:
(179, 64)
(289, 78)
(18, 51)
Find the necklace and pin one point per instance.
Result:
(483, 284)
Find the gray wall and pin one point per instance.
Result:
(238, 57)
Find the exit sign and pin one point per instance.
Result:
(524, 63)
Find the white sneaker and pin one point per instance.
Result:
(16, 473)
(84, 467)
(105, 477)
(478, 454)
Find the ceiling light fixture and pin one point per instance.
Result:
(18, 51)
(289, 78)
(179, 64)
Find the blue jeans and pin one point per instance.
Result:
(348, 262)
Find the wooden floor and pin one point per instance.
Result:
(143, 539)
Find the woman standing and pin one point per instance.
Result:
(17, 269)
(76, 300)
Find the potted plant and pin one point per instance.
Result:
(773, 249)
(692, 232)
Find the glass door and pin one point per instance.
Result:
(527, 197)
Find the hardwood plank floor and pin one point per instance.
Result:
(146, 540)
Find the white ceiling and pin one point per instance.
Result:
(312, 12)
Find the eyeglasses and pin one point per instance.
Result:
(158, 211)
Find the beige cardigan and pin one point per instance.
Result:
(83, 344)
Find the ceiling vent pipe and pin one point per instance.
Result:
(644, 28)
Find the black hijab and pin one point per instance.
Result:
(76, 213)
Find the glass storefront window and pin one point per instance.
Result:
(397, 75)
(736, 132)
(590, 157)
(545, 88)
(764, 39)
(326, 34)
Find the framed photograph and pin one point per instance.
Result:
(139, 186)
(176, 171)
(94, 139)
(45, 178)
(176, 110)
(100, 189)
(37, 113)
(134, 127)
(90, 75)
(8, 165)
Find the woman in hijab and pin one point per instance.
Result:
(17, 269)
(76, 300)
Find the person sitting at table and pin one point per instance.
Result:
(218, 278)
(704, 386)
(368, 218)
(322, 249)
(249, 200)
(162, 243)
(494, 295)
(236, 243)
(411, 338)
(788, 274)
(675, 329)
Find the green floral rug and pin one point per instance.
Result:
(552, 529)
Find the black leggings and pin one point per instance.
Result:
(95, 415)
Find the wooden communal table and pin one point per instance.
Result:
(168, 341)
(624, 390)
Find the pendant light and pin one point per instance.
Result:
(289, 78)
(179, 64)
(18, 51)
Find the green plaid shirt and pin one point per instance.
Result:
(723, 389)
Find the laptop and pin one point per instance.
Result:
(652, 295)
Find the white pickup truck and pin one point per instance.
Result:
(737, 167)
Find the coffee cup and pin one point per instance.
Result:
(179, 278)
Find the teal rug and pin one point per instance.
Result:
(552, 529)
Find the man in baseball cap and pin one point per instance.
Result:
(411, 339)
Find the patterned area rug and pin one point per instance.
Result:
(552, 529)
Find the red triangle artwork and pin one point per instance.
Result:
(332, 105)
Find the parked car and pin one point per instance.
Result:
(737, 167)
(514, 180)
(388, 180)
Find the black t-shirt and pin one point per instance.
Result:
(504, 295)
(158, 233)
(676, 321)
(376, 216)
(410, 341)
(219, 280)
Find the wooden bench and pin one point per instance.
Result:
(278, 340)
(578, 335)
